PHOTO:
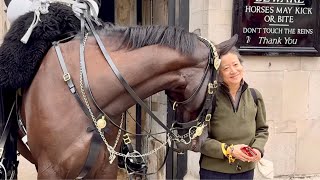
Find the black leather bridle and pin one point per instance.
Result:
(203, 118)
(196, 126)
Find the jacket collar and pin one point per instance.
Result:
(243, 86)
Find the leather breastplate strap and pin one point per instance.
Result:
(96, 141)
(67, 78)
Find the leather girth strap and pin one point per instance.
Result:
(94, 150)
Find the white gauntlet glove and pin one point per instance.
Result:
(79, 8)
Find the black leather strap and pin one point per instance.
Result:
(69, 82)
(95, 147)
(96, 141)
(254, 95)
(195, 92)
(6, 131)
(85, 76)
(207, 105)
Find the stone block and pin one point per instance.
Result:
(220, 17)
(262, 81)
(308, 146)
(155, 160)
(196, 5)
(265, 63)
(310, 63)
(196, 21)
(218, 33)
(282, 153)
(313, 97)
(269, 145)
(215, 5)
(205, 17)
(283, 178)
(227, 5)
(228, 17)
(294, 90)
(205, 30)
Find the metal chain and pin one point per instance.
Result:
(112, 155)
(84, 44)
(189, 135)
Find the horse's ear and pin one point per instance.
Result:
(7, 2)
(225, 46)
(197, 32)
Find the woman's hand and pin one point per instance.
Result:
(258, 156)
(238, 154)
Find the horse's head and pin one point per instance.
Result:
(192, 100)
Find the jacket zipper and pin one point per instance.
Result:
(231, 101)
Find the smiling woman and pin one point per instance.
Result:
(231, 71)
(238, 123)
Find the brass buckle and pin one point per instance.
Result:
(126, 138)
(208, 117)
(174, 105)
(215, 84)
(210, 88)
(66, 77)
(198, 132)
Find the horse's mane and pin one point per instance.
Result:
(139, 36)
(19, 62)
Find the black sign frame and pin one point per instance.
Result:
(240, 17)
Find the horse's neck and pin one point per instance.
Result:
(147, 70)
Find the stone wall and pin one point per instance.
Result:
(4, 24)
(289, 86)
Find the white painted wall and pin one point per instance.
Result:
(290, 87)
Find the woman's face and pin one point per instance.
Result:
(231, 70)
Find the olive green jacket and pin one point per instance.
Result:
(244, 125)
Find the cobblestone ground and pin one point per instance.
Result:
(26, 170)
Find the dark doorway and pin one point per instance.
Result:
(178, 15)
(106, 12)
